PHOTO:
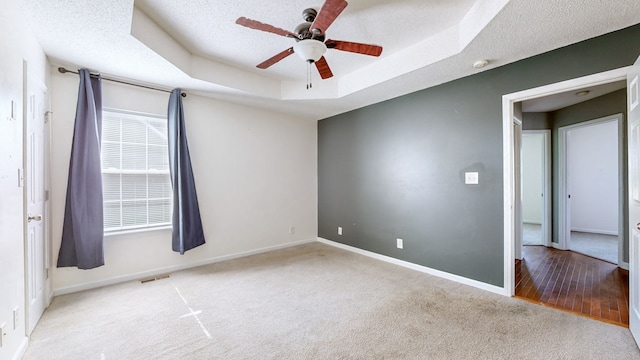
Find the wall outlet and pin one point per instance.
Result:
(16, 317)
(292, 230)
(400, 243)
(339, 230)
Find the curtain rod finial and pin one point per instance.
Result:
(62, 70)
(183, 94)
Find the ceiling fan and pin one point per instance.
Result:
(310, 38)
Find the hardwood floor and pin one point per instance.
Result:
(575, 283)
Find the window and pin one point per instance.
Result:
(135, 171)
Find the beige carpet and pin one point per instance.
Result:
(313, 302)
(599, 246)
(532, 234)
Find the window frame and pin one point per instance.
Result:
(135, 228)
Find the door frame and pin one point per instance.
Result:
(546, 184)
(517, 182)
(564, 206)
(508, 102)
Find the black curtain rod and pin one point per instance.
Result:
(63, 70)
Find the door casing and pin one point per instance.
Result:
(508, 103)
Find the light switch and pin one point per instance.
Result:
(471, 178)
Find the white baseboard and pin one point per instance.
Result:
(424, 269)
(595, 231)
(21, 349)
(557, 246)
(532, 222)
(169, 269)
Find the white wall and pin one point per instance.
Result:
(17, 45)
(255, 173)
(532, 177)
(593, 178)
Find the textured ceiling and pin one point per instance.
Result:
(208, 28)
(196, 45)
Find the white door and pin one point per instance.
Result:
(35, 198)
(634, 201)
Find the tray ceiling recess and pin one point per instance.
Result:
(197, 45)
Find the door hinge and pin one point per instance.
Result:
(20, 178)
(46, 195)
(47, 116)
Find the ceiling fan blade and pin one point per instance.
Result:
(274, 59)
(365, 49)
(257, 25)
(328, 13)
(323, 68)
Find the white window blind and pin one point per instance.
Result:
(135, 171)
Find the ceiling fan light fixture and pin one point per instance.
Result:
(310, 50)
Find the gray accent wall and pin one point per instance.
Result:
(396, 169)
(537, 121)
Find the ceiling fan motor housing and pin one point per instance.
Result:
(304, 32)
(309, 14)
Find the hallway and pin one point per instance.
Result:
(604, 247)
(575, 283)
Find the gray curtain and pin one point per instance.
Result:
(186, 222)
(83, 228)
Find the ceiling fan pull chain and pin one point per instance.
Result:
(309, 85)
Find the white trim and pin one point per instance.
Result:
(532, 222)
(518, 232)
(416, 267)
(633, 93)
(137, 230)
(169, 269)
(556, 246)
(564, 206)
(622, 165)
(623, 265)
(508, 102)
(508, 196)
(596, 231)
(548, 189)
(22, 349)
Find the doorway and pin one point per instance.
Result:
(535, 169)
(565, 267)
(509, 165)
(591, 188)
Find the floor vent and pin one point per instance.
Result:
(159, 277)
